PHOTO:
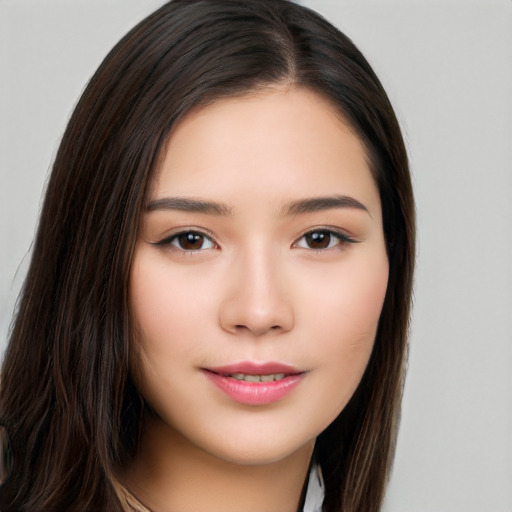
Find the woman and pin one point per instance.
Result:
(216, 311)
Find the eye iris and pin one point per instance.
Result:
(191, 241)
(318, 239)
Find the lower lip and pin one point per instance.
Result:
(255, 393)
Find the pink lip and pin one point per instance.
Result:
(255, 368)
(255, 393)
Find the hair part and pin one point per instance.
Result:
(71, 337)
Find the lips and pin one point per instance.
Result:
(255, 383)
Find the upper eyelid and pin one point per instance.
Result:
(181, 231)
(341, 233)
(336, 231)
(343, 240)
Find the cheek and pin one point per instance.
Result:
(345, 304)
(344, 320)
(166, 309)
(361, 301)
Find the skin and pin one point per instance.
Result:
(253, 288)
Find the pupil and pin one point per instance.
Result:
(191, 241)
(318, 239)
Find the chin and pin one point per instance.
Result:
(252, 449)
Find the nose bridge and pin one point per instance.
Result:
(257, 298)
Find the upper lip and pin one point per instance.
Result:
(255, 368)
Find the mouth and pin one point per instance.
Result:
(255, 383)
(257, 378)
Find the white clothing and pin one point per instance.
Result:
(315, 491)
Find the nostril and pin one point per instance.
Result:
(244, 314)
(255, 329)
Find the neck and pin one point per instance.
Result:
(170, 474)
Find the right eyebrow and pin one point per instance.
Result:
(186, 204)
(317, 204)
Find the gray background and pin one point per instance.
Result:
(447, 66)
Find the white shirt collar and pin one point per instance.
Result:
(315, 491)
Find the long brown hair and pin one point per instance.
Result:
(67, 399)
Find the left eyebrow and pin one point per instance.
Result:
(186, 204)
(317, 204)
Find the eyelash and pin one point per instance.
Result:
(342, 240)
(189, 232)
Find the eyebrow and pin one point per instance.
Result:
(186, 204)
(299, 207)
(317, 204)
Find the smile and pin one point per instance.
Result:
(255, 383)
(257, 378)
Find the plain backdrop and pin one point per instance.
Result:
(447, 66)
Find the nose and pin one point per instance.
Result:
(257, 300)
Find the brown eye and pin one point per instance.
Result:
(191, 241)
(319, 239)
(188, 241)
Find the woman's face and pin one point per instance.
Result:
(259, 275)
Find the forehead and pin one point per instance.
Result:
(273, 143)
